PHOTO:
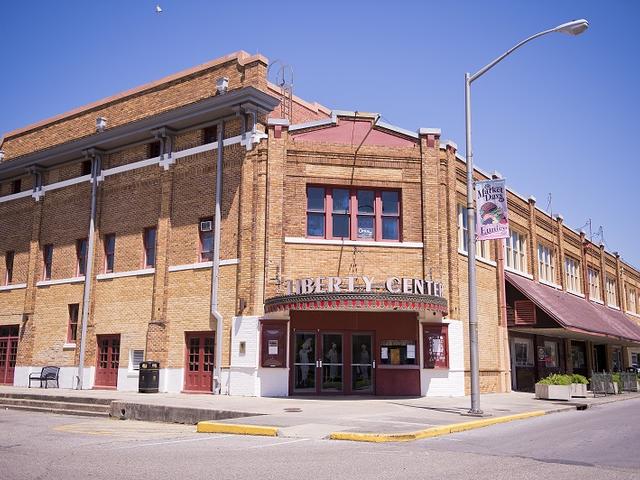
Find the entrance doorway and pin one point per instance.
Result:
(8, 353)
(108, 361)
(336, 362)
(200, 361)
(599, 358)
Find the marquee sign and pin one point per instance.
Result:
(354, 284)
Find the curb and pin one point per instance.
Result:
(237, 429)
(433, 431)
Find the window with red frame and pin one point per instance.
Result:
(355, 214)
(47, 257)
(8, 263)
(436, 346)
(150, 247)
(81, 257)
(109, 252)
(72, 329)
(206, 239)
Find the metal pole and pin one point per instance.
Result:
(471, 250)
(88, 271)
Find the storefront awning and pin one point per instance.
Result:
(577, 314)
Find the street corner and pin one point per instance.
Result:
(236, 429)
(431, 432)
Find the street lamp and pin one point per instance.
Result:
(575, 27)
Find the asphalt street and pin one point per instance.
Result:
(601, 443)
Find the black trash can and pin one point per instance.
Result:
(149, 377)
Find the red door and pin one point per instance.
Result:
(8, 353)
(200, 359)
(108, 361)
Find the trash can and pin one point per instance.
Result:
(149, 378)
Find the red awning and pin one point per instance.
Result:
(575, 313)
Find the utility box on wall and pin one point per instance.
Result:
(273, 344)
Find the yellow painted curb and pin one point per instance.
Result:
(215, 427)
(433, 431)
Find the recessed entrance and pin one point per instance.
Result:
(108, 361)
(8, 353)
(337, 362)
(200, 361)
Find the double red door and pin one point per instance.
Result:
(8, 353)
(199, 362)
(108, 361)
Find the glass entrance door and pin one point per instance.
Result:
(305, 362)
(362, 363)
(332, 363)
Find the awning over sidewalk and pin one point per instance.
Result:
(577, 314)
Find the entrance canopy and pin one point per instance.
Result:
(358, 301)
(576, 314)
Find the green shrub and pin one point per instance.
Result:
(618, 380)
(577, 378)
(556, 379)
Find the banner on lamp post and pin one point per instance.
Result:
(491, 210)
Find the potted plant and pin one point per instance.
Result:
(554, 387)
(578, 385)
(616, 384)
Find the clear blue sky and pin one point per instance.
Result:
(559, 117)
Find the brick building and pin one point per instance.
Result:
(254, 249)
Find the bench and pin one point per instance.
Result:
(46, 374)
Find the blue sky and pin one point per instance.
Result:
(559, 117)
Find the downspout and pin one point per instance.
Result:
(88, 273)
(217, 384)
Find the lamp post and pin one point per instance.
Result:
(575, 27)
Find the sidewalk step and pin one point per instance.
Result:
(55, 397)
(56, 405)
(29, 408)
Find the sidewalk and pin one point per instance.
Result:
(319, 417)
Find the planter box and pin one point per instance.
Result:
(578, 390)
(612, 388)
(553, 392)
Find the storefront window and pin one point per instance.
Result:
(398, 352)
(523, 352)
(550, 354)
(616, 359)
(578, 356)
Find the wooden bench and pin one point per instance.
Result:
(46, 374)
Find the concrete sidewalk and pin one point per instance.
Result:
(318, 417)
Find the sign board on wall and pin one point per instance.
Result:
(491, 216)
(415, 286)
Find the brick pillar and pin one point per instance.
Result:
(532, 241)
(274, 217)
(29, 328)
(449, 246)
(584, 266)
(431, 211)
(603, 276)
(622, 298)
(560, 275)
(157, 330)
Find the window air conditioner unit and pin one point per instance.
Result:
(206, 226)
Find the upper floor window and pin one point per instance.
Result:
(16, 186)
(72, 327)
(546, 269)
(85, 167)
(109, 252)
(356, 214)
(206, 240)
(154, 149)
(482, 246)
(631, 299)
(612, 292)
(594, 283)
(210, 134)
(150, 247)
(81, 257)
(47, 257)
(572, 275)
(8, 263)
(515, 251)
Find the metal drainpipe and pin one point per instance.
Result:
(217, 385)
(88, 273)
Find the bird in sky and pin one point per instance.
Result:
(158, 9)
